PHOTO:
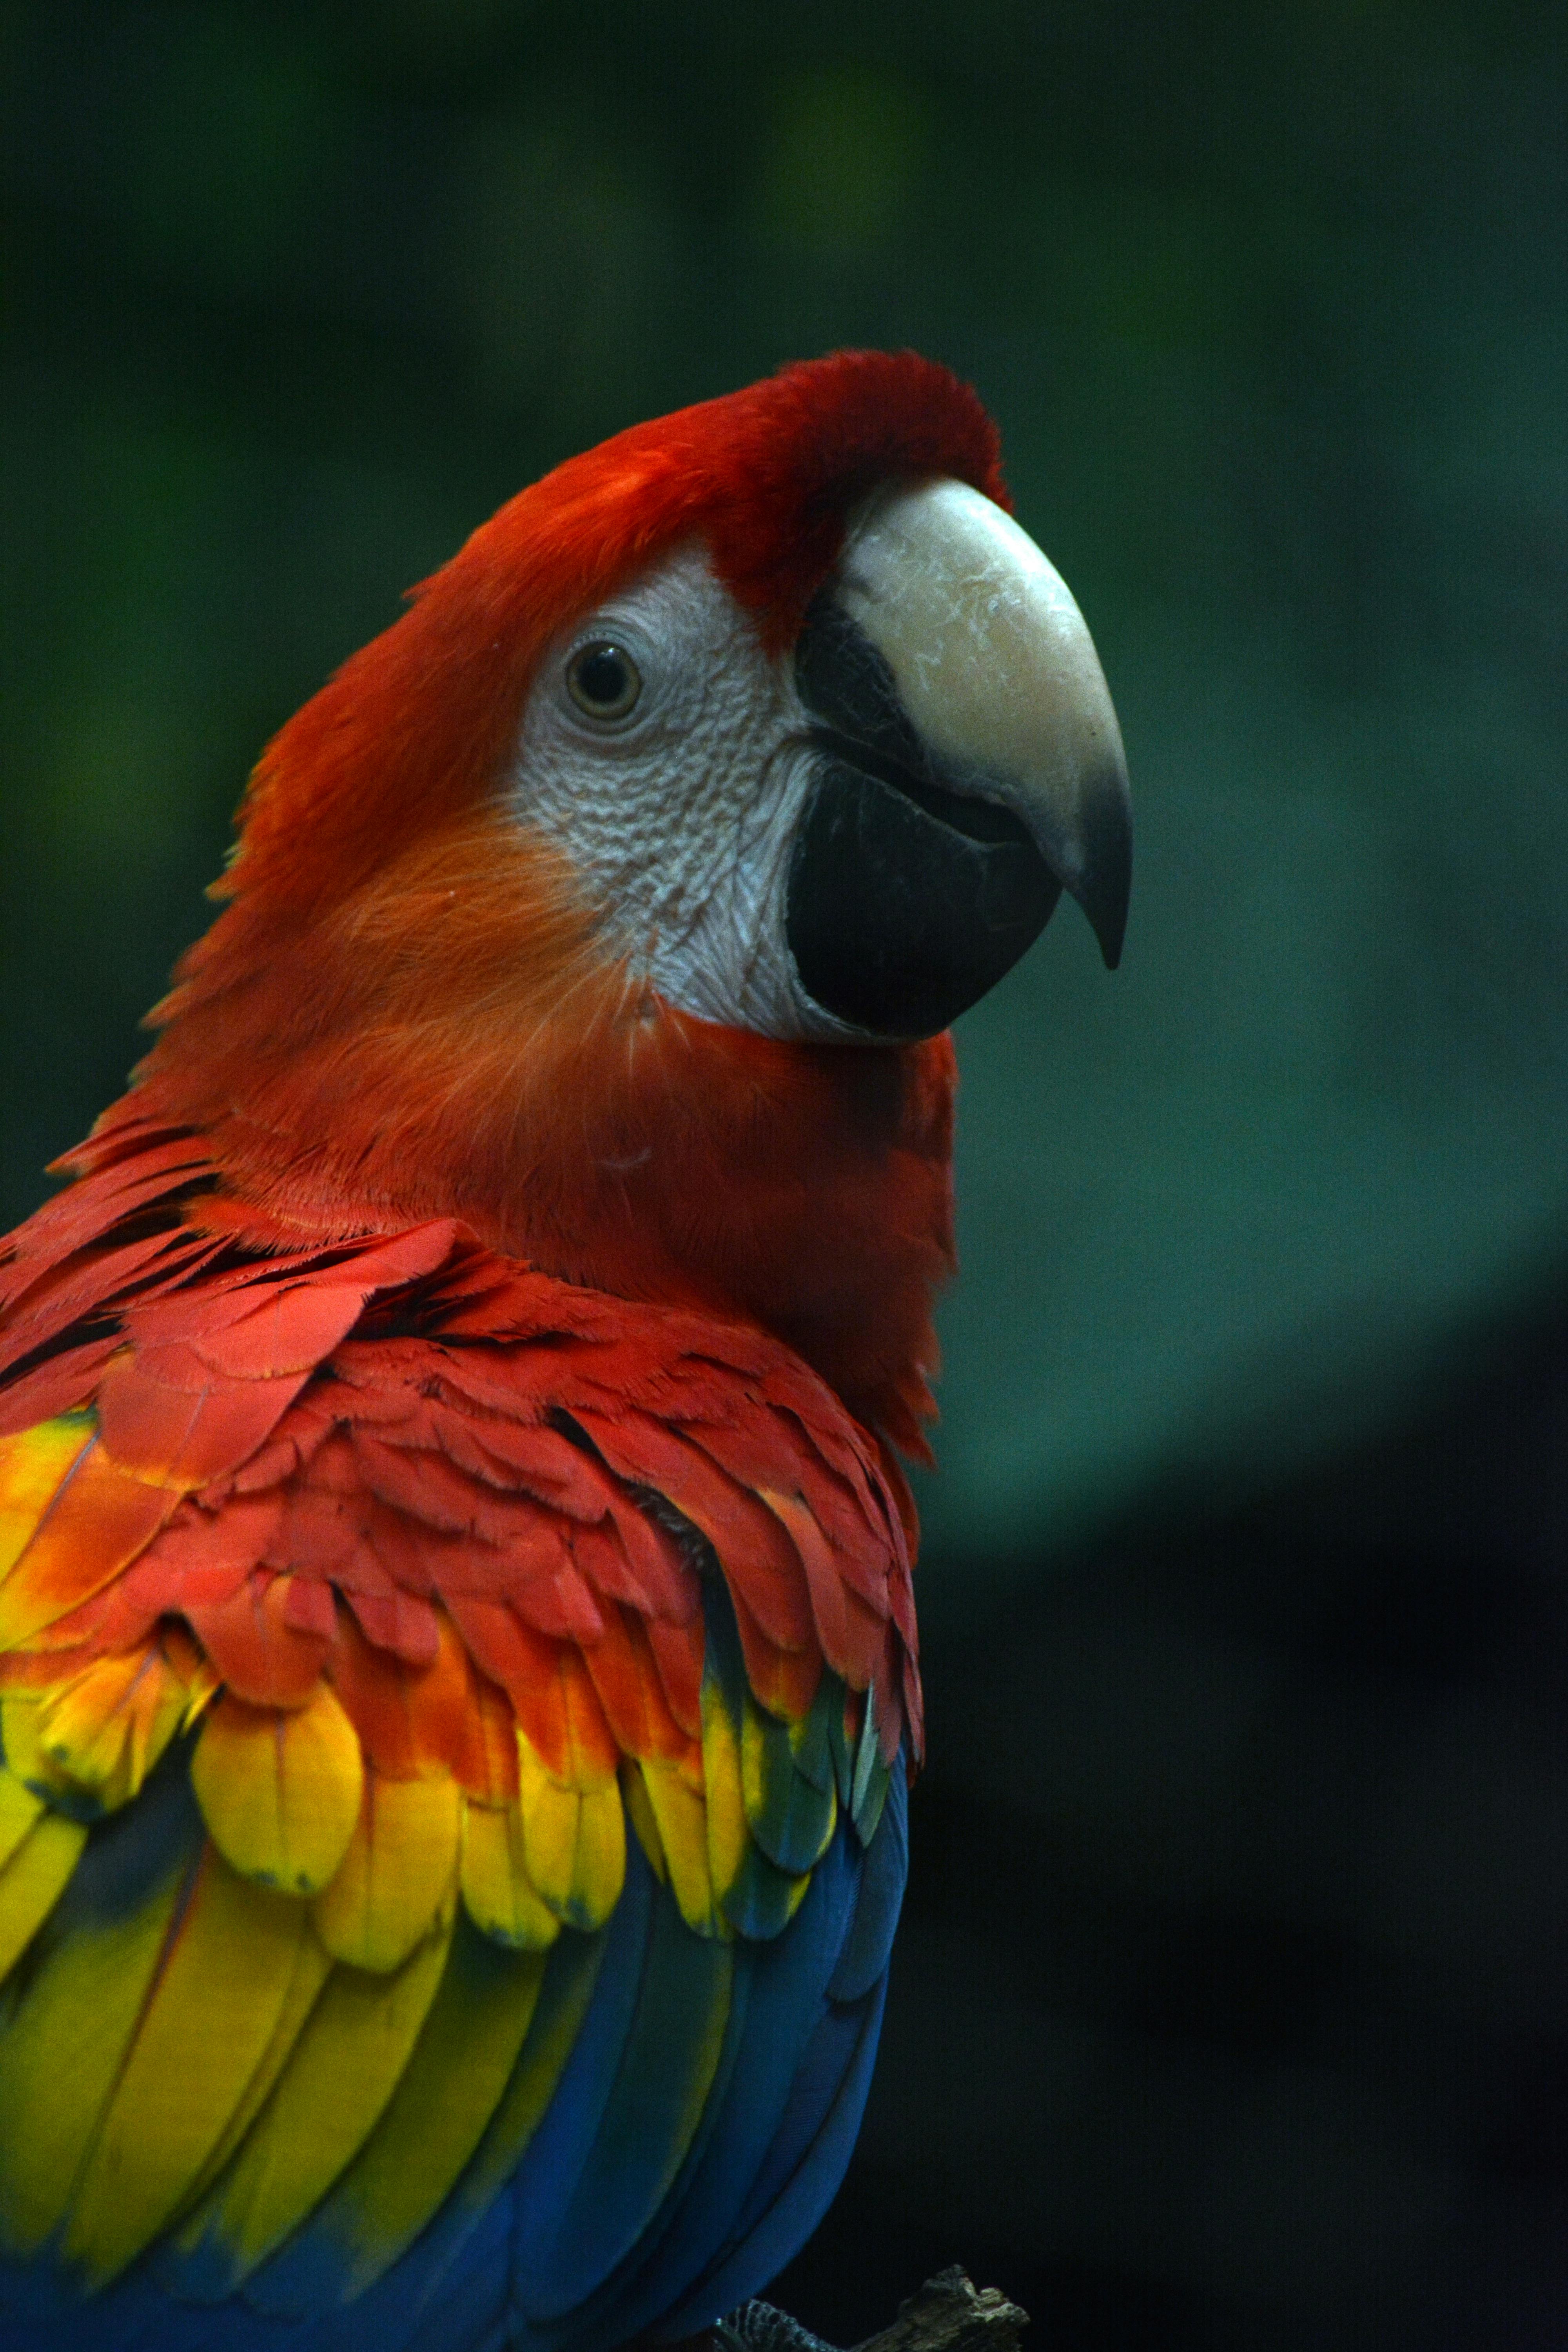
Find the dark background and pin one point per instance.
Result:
(1232, 2007)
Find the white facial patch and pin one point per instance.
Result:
(679, 816)
(670, 761)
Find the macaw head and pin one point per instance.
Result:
(832, 789)
(618, 899)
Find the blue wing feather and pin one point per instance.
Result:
(643, 2131)
(785, 1991)
(696, 2133)
(833, 2087)
(869, 1945)
(558, 2154)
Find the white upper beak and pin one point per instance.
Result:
(997, 673)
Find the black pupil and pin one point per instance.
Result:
(602, 675)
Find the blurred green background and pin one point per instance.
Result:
(1270, 305)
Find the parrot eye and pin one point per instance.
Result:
(602, 680)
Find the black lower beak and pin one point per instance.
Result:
(906, 903)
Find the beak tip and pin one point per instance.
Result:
(1109, 931)
(1104, 884)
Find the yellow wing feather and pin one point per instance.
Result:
(576, 1840)
(311, 1968)
(221, 1990)
(34, 1463)
(680, 1818)
(91, 1740)
(62, 2052)
(36, 1873)
(20, 1809)
(498, 1892)
(280, 1789)
(398, 1876)
(728, 1838)
(331, 2092)
(445, 2099)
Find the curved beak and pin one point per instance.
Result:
(996, 672)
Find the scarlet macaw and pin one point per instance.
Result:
(457, 1654)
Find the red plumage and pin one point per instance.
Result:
(406, 1011)
(314, 1459)
(449, 1421)
(429, 1244)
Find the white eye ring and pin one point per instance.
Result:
(603, 681)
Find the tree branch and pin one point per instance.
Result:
(949, 2313)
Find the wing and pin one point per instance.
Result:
(446, 1866)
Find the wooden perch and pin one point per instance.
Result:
(949, 2313)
